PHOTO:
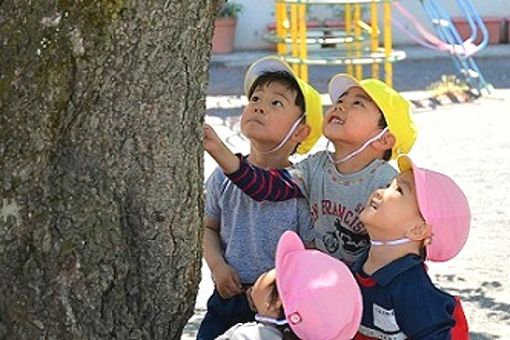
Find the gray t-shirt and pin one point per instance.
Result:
(250, 230)
(336, 201)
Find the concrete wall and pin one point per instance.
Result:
(259, 13)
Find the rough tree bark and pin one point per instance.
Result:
(101, 107)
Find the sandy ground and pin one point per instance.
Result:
(470, 143)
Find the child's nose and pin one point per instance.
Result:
(340, 107)
(259, 110)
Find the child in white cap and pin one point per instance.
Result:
(283, 116)
(368, 124)
(309, 295)
(422, 214)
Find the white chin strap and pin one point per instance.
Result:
(355, 152)
(391, 243)
(270, 320)
(286, 138)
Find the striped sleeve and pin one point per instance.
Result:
(264, 185)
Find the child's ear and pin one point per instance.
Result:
(386, 142)
(302, 131)
(421, 231)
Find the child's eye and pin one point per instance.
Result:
(339, 100)
(359, 103)
(254, 99)
(399, 190)
(277, 103)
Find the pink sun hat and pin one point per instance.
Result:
(320, 297)
(445, 209)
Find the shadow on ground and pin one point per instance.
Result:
(480, 297)
(483, 336)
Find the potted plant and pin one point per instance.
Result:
(492, 23)
(225, 27)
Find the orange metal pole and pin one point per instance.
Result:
(281, 31)
(349, 31)
(374, 37)
(388, 70)
(303, 47)
(358, 69)
(294, 35)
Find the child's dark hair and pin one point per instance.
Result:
(382, 124)
(287, 332)
(284, 78)
(423, 253)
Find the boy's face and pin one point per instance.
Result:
(269, 115)
(390, 212)
(353, 118)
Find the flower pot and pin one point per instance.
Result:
(333, 23)
(507, 29)
(224, 35)
(493, 25)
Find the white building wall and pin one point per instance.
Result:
(258, 14)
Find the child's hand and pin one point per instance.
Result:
(227, 281)
(219, 151)
(247, 292)
(212, 141)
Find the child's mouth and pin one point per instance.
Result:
(336, 120)
(256, 121)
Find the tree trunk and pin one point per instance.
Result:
(101, 110)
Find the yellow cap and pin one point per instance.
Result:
(395, 108)
(313, 103)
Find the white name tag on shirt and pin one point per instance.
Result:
(385, 319)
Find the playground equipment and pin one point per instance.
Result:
(354, 47)
(449, 39)
(358, 44)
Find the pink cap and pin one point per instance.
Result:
(320, 297)
(445, 209)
